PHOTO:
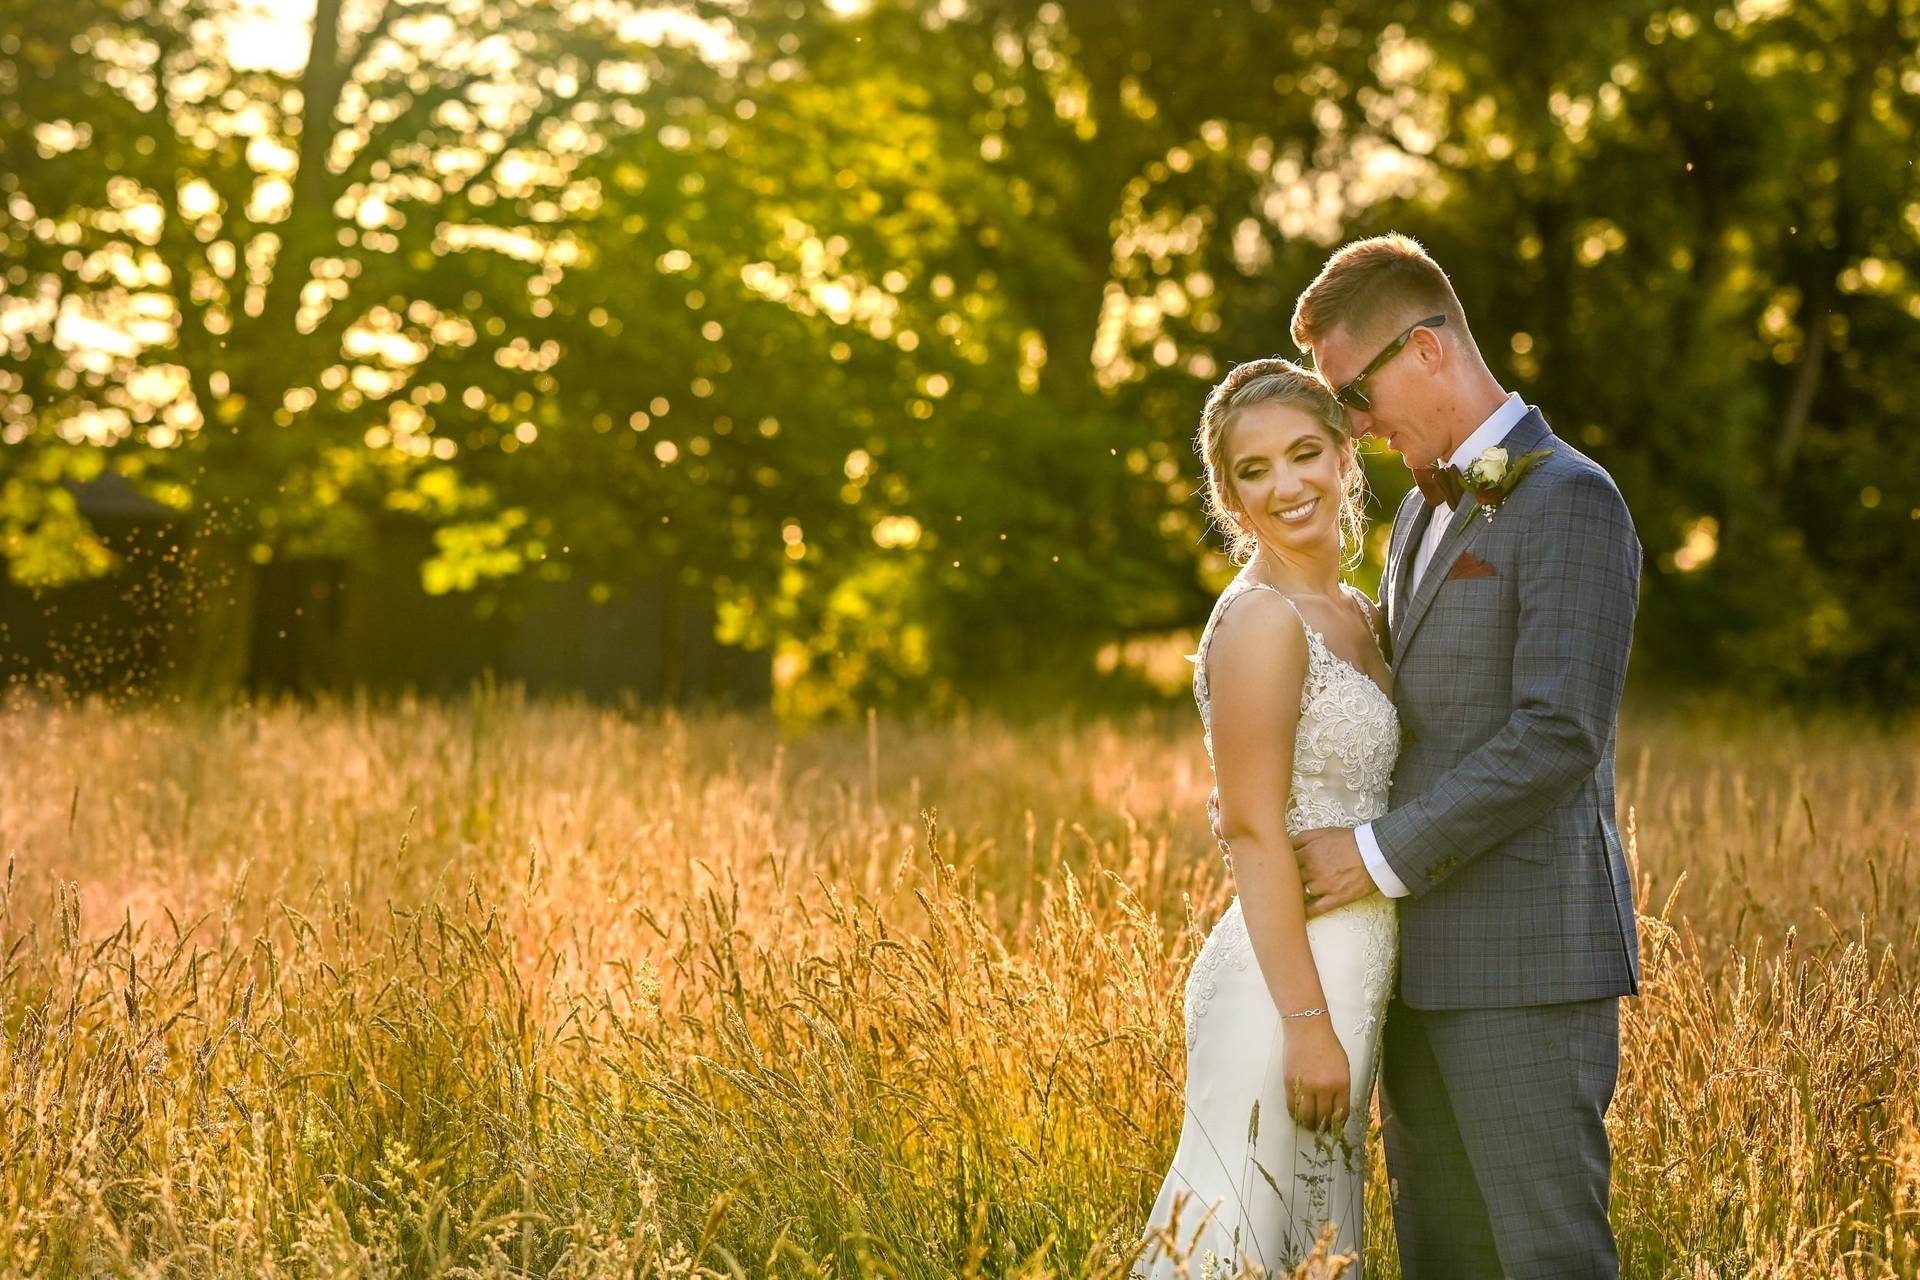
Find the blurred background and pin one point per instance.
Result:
(831, 355)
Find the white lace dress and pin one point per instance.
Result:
(1247, 1186)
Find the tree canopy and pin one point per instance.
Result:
(885, 325)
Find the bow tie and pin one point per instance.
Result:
(1440, 484)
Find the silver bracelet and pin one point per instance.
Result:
(1304, 1013)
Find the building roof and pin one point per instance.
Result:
(113, 496)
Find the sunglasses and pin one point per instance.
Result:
(1351, 395)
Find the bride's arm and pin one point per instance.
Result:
(1256, 667)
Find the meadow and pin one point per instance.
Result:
(511, 987)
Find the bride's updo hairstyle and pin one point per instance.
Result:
(1279, 381)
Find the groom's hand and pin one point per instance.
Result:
(1331, 871)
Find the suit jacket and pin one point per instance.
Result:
(1510, 657)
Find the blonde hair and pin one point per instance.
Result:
(1374, 287)
(1274, 381)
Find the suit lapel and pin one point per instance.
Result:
(1408, 530)
(1527, 434)
(1461, 530)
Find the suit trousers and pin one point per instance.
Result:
(1496, 1139)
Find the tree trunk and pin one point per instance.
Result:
(1806, 384)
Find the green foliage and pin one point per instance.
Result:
(467, 554)
(45, 538)
(922, 298)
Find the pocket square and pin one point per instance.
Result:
(1471, 566)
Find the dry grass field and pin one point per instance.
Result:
(516, 988)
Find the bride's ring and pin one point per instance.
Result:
(1311, 891)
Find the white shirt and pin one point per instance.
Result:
(1484, 437)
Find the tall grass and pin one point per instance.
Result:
(513, 987)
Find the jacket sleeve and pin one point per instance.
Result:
(1578, 585)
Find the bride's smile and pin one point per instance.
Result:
(1286, 474)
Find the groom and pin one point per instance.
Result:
(1509, 639)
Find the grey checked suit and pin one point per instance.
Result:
(1517, 936)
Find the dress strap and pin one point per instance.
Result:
(1376, 623)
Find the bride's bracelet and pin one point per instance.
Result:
(1304, 1013)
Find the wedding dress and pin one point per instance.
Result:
(1248, 1187)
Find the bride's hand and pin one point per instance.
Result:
(1318, 1076)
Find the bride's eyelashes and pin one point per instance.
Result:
(1254, 473)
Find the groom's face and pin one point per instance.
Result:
(1399, 393)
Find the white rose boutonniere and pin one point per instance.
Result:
(1491, 476)
(1491, 465)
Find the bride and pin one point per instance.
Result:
(1283, 1014)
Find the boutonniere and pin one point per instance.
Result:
(1491, 476)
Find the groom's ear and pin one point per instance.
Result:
(1429, 348)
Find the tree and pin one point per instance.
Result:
(883, 327)
(258, 265)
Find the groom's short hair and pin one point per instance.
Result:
(1374, 287)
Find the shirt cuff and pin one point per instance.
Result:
(1377, 867)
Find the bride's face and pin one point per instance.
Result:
(1284, 473)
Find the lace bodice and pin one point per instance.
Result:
(1344, 749)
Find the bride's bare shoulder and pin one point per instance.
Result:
(1259, 633)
